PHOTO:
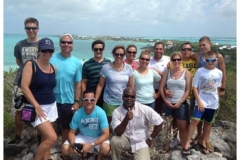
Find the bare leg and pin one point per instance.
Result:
(65, 134)
(18, 123)
(183, 131)
(191, 129)
(104, 150)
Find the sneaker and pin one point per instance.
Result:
(174, 143)
(16, 140)
(196, 139)
(209, 146)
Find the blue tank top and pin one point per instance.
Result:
(42, 86)
(202, 62)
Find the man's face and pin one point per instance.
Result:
(129, 98)
(66, 44)
(31, 30)
(98, 50)
(186, 51)
(158, 51)
(89, 101)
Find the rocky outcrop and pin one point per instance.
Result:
(223, 137)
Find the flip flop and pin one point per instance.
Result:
(204, 149)
(186, 152)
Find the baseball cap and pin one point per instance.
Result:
(66, 34)
(46, 43)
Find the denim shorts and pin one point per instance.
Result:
(209, 115)
(152, 105)
(65, 115)
(180, 113)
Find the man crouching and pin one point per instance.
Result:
(94, 130)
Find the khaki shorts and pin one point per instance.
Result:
(17, 92)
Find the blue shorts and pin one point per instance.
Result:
(152, 105)
(181, 113)
(65, 115)
(208, 114)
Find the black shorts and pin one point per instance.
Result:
(65, 115)
(181, 113)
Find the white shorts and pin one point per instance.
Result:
(50, 110)
(84, 139)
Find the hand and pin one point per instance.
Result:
(149, 143)
(169, 104)
(168, 93)
(200, 107)
(39, 113)
(75, 107)
(155, 95)
(177, 105)
(221, 93)
(129, 114)
(86, 148)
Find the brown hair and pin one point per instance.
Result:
(118, 47)
(205, 38)
(131, 45)
(211, 53)
(31, 20)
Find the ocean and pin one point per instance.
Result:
(82, 48)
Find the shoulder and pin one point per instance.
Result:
(106, 60)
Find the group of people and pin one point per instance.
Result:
(121, 97)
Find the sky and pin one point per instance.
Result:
(131, 18)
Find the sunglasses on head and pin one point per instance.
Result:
(186, 49)
(89, 99)
(47, 50)
(130, 52)
(128, 96)
(145, 59)
(119, 54)
(98, 49)
(208, 60)
(68, 42)
(177, 59)
(31, 28)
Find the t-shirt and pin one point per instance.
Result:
(24, 51)
(69, 71)
(134, 64)
(207, 82)
(91, 70)
(143, 84)
(90, 125)
(160, 65)
(116, 82)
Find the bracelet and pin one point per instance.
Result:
(76, 101)
(150, 138)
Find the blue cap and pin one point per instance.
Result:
(46, 43)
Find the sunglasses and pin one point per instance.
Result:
(158, 48)
(208, 60)
(89, 99)
(186, 49)
(68, 42)
(128, 96)
(98, 49)
(145, 59)
(177, 59)
(132, 52)
(47, 50)
(119, 54)
(31, 28)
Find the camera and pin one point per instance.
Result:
(19, 100)
(78, 147)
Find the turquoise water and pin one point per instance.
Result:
(82, 48)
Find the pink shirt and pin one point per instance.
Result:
(134, 64)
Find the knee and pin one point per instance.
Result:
(52, 138)
(65, 149)
(104, 148)
(116, 141)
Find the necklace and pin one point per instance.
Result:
(117, 69)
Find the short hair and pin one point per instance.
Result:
(88, 91)
(211, 53)
(31, 20)
(185, 43)
(131, 45)
(145, 52)
(118, 47)
(157, 43)
(98, 42)
(176, 53)
(204, 38)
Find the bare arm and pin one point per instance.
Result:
(77, 95)
(131, 82)
(71, 137)
(221, 65)
(195, 56)
(18, 62)
(100, 87)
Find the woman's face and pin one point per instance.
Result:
(118, 55)
(144, 60)
(205, 46)
(131, 53)
(176, 61)
(46, 54)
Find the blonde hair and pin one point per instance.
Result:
(176, 53)
(145, 52)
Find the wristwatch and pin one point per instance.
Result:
(76, 101)
(93, 144)
(150, 138)
(222, 89)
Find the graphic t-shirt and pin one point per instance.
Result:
(90, 125)
(207, 83)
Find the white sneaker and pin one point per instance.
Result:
(174, 143)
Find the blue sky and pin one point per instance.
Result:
(171, 18)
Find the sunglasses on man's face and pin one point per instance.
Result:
(208, 60)
(66, 42)
(31, 28)
(119, 54)
(186, 49)
(89, 99)
(177, 59)
(98, 49)
(47, 50)
(128, 96)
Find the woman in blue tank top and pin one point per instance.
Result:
(37, 86)
(178, 81)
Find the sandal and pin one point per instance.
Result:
(186, 152)
(204, 149)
